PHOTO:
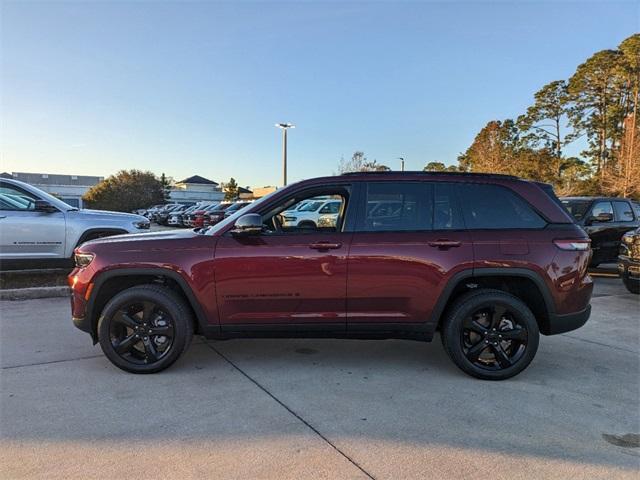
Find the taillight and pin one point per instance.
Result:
(572, 244)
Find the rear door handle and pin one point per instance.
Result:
(444, 244)
(325, 245)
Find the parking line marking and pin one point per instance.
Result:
(622, 349)
(283, 405)
(50, 362)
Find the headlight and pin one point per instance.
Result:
(290, 219)
(142, 224)
(83, 259)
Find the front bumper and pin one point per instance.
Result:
(566, 323)
(629, 269)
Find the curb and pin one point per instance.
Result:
(34, 292)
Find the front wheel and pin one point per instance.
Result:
(490, 334)
(144, 329)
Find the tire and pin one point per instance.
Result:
(633, 287)
(169, 318)
(469, 321)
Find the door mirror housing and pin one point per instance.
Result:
(248, 224)
(601, 218)
(44, 206)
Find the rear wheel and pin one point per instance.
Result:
(490, 334)
(145, 329)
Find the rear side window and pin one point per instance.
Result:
(398, 206)
(624, 213)
(496, 207)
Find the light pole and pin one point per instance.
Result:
(284, 127)
(401, 163)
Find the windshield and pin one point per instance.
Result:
(310, 207)
(577, 208)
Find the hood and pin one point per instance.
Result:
(142, 240)
(106, 214)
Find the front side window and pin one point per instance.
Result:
(495, 207)
(398, 206)
(624, 213)
(305, 213)
(602, 208)
(12, 198)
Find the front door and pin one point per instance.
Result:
(286, 275)
(26, 233)
(408, 242)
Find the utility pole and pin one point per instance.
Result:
(284, 127)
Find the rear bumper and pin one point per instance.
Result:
(566, 323)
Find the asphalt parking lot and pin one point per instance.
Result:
(319, 408)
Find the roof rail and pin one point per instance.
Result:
(420, 172)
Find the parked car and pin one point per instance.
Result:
(37, 226)
(307, 215)
(174, 216)
(490, 261)
(177, 217)
(605, 219)
(162, 216)
(629, 260)
(189, 217)
(234, 207)
(211, 215)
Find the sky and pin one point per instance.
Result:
(187, 88)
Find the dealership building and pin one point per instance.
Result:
(68, 188)
(71, 188)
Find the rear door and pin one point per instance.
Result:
(409, 239)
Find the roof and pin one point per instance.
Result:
(436, 174)
(244, 190)
(588, 199)
(199, 180)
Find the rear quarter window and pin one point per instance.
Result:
(486, 206)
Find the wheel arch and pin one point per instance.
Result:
(524, 283)
(92, 233)
(112, 282)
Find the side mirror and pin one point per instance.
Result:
(602, 218)
(44, 206)
(249, 224)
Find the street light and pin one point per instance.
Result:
(401, 163)
(284, 127)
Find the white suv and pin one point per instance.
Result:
(308, 214)
(35, 225)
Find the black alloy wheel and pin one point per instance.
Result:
(144, 329)
(490, 334)
(141, 332)
(492, 338)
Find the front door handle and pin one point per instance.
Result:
(325, 245)
(445, 244)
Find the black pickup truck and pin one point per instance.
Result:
(606, 220)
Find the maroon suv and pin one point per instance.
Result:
(490, 261)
